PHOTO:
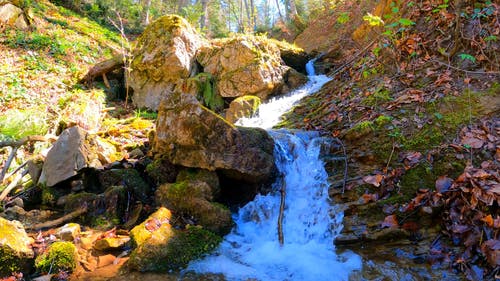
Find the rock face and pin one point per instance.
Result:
(12, 15)
(244, 106)
(15, 251)
(163, 57)
(192, 136)
(73, 151)
(245, 65)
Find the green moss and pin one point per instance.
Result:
(60, 256)
(9, 262)
(175, 252)
(50, 195)
(378, 97)
(17, 124)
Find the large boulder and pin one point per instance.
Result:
(162, 59)
(15, 250)
(190, 135)
(244, 65)
(73, 151)
(12, 15)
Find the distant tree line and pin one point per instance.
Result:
(215, 18)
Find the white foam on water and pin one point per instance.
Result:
(252, 250)
(269, 113)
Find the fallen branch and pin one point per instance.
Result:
(281, 214)
(103, 67)
(466, 71)
(12, 185)
(7, 163)
(23, 141)
(60, 220)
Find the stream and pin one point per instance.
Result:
(252, 251)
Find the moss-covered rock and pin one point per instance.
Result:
(169, 249)
(60, 256)
(142, 232)
(129, 178)
(193, 200)
(15, 250)
(162, 59)
(209, 177)
(244, 106)
(161, 170)
(190, 135)
(244, 65)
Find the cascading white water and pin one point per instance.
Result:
(270, 112)
(252, 250)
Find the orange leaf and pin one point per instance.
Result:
(488, 220)
(390, 221)
(369, 198)
(374, 180)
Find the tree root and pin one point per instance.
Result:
(60, 220)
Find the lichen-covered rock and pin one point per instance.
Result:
(169, 249)
(60, 256)
(244, 106)
(194, 200)
(162, 58)
(144, 231)
(112, 243)
(12, 15)
(15, 252)
(192, 136)
(73, 151)
(244, 65)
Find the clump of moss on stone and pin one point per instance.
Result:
(9, 262)
(60, 256)
(175, 252)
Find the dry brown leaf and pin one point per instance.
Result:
(390, 221)
(488, 220)
(374, 180)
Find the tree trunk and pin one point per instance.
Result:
(279, 10)
(146, 12)
(204, 19)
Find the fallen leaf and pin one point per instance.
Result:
(368, 197)
(488, 220)
(390, 221)
(443, 184)
(472, 142)
(374, 180)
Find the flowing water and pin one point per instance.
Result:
(252, 250)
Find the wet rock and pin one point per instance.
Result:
(188, 134)
(69, 232)
(168, 249)
(163, 57)
(293, 80)
(111, 243)
(294, 57)
(73, 151)
(13, 16)
(244, 106)
(15, 250)
(161, 170)
(129, 178)
(60, 256)
(244, 65)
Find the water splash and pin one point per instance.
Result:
(252, 250)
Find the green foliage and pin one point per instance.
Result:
(373, 20)
(343, 18)
(208, 95)
(60, 256)
(9, 262)
(468, 57)
(17, 124)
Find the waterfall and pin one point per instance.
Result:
(252, 250)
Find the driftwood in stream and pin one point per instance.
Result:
(102, 68)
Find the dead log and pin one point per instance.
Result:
(59, 221)
(102, 68)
